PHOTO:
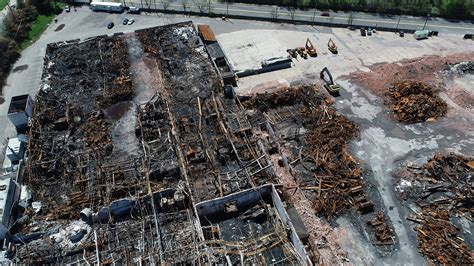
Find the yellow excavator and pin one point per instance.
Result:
(332, 87)
(332, 46)
(302, 52)
(310, 48)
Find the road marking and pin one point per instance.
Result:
(328, 18)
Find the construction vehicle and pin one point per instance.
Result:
(326, 76)
(310, 48)
(302, 52)
(332, 46)
(293, 53)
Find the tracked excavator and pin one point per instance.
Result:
(332, 46)
(310, 48)
(332, 87)
(302, 52)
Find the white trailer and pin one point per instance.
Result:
(422, 34)
(107, 6)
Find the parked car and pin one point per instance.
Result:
(67, 8)
(131, 21)
(325, 14)
(402, 34)
(125, 21)
(110, 25)
(134, 10)
(369, 32)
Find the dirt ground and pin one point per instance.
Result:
(433, 70)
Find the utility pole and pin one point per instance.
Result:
(426, 21)
(399, 18)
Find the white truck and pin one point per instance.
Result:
(107, 7)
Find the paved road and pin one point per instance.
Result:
(262, 11)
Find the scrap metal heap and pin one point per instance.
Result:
(441, 192)
(104, 196)
(413, 102)
(315, 137)
(308, 143)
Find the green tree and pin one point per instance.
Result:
(455, 9)
(8, 56)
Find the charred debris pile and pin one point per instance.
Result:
(69, 136)
(442, 193)
(311, 139)
(202, 179)
(95, 203)
(413, 102)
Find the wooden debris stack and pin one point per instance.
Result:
(443, 190)
(413, 102)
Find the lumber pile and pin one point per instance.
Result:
(439, 239)
(443, 190)
(338, 174)
(334, 180)
(413, 102)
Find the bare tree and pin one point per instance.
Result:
(350, 20)
(274, 13)
(201, 5)
(292, 13)
(166, 4)
(185, 5)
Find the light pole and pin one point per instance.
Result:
(426, 21)
(399, 18)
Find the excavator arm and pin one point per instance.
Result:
(326, 76)
(310, 48)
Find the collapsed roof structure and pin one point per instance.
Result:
(135, 156)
